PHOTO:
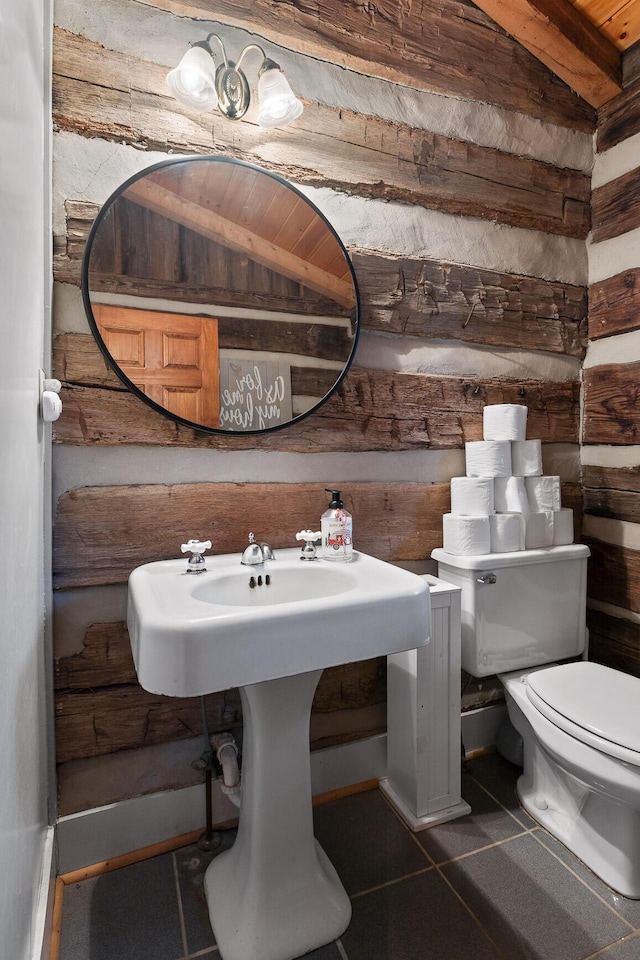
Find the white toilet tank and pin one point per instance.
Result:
(519, 609)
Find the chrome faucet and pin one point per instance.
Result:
(256, 553)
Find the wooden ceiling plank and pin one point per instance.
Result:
(599, 11)
(618, 20)
(557, 34)
(624, 29)
(215, 227)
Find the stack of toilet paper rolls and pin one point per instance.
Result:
(504, 503)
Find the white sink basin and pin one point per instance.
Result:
(197, 634)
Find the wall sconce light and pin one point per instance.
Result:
(198, 84)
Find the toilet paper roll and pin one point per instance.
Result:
(472, 496)
(539, 530)
(526, 458)
(543, 493)
(510, 495)
(562, 527)
(507, 532)
(466, 536)
(488, 458)
(504, 421)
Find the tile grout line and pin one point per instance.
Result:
(487, 846)
(470, 911)
(404, 825)
(585, 884)
(523, 827)
(183, 928)
(435, 866)
(391, 883)
(605, 950)
(341, 949)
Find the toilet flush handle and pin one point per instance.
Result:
(487, 578)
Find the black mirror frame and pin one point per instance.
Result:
(84, 282)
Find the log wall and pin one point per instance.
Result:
(611, 428)
(466, 228)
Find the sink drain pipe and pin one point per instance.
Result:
(210, 839)
(227, 754)
(226, 751)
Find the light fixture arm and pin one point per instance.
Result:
(250, 46)
(214, 36)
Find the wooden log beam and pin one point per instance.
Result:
(611, 478)
(614, 642)
(611, 409)
(619, 119)
(115, 524)
(613, 574)
(332, 147)
(557, 34)
(616, 206)
(614, 305)
(614, 504)
(233, 274)
(438, 45)
(125, 717)
(444, 301)
(631, 64)
(371, 410)
(612, 492)
(102, 533)
(412, 297)
(106, 662)
(78, 360)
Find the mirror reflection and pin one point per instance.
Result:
(220, 295)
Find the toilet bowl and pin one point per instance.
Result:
(580, 725)
(579, 721)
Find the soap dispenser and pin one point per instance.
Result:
(337, 530)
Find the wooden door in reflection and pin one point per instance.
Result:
(172, 358)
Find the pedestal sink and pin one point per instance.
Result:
(274, 895)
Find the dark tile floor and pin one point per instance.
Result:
(490, 886)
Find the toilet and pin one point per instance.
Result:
(579, 721)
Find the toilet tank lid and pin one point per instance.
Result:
(489, 561)
(602, 701)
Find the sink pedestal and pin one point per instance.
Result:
(275, 895)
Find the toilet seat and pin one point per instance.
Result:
(592, 703)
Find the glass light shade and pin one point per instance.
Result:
(193, 81)
(278, 105)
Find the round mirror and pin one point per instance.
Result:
(220, 295)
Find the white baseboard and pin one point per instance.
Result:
(102, 833)
(44, 899)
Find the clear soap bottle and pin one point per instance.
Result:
(336, 525)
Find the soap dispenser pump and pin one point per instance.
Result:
(336, 525)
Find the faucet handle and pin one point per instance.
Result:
(196, 548)
(309, 536)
